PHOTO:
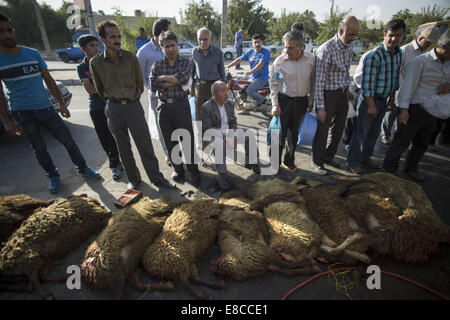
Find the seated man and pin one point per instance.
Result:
(259, 59)
(218, 113)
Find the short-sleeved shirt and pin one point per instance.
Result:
(237, 42)
(140, 41)
(22, 77)
(95, 102)
(255, 58)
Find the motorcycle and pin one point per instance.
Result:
(242, 101)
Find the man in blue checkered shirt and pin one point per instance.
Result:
(381, 70)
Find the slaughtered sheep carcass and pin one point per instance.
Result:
(49, 235)
(187, 234)
(419, 230)
(116, 254)
(242, 240)
(14, 210)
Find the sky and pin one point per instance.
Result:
(380, 9)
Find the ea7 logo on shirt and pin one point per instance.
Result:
(30, 69)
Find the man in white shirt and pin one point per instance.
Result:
(218, 113)
(291, 83)
(420, 44)
(425, 76)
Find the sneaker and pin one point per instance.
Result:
(133, 185)
(371, 164)
(385, 141)
(415, 175)
(244, 112)
(116, 173)
(88, 172)
(55, 182)
(332, 163)
(355, 170)
(319, 169)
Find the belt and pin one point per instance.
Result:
(169, 101)
(122, 101)
(285, 96)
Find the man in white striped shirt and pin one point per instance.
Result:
(333, 60)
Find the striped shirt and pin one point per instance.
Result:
(333, 60)
(21, 74)
(381, 72)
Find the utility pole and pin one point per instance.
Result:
(90, 16)
(37, 12)
(223, 32)
(332, 8)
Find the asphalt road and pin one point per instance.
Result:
(20, 173)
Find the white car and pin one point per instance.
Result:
(274, 47)
(229, 53)
(185, 48)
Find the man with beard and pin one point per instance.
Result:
(22, 70)
(170, 77)
(118, 80)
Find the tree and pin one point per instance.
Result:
(370, 36)
(414, 20)
(310, 24)
(279, 26)
(329, 27)
(199, 14)
(250, 14)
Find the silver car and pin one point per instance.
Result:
(185, 48)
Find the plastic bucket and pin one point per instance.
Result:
(307, 130)
(192, 105)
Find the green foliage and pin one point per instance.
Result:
(329, 27)
(414, 20)
(129, 31)
(279, 26)
(370, 36)
(250, 14)
(198, 14)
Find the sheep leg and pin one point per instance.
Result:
(338, 250)
(196, 279)
(281, 261)
(34, 278)
(197, 293)
(293, 272)
(135, 281)
(327, 243)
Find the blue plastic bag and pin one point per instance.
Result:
(307, 130)
(192, 105)
(275, 126)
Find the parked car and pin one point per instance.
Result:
(74, 53)
(275, 47)
(229, 52)
(185, 48)
(66, 95)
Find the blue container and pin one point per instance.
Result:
(307, 130)
(192, 105)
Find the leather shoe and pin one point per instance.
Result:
(178, 176)
(223, 183)
(415, 175)
(371, 164)
(254, 167)
(165, 184)
(332, 163)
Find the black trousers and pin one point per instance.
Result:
(418, 130)
(104, 135)
(292, 115)
(173, 116)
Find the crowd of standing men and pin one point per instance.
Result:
(115, 80)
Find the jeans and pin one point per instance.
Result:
(365, 133)
(31, 121)
(252, 89)
(239, 52)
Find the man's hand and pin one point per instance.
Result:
(310, 107)
(249, 73)
(321, 115)
(64, 111)
(403, 116)
(391, 104)
(350, 97)
(443, 88)
(11, 127)
(276, 111)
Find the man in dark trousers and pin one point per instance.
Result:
(89, 45)
(23, 71)
(170, 77)
(118, 80)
